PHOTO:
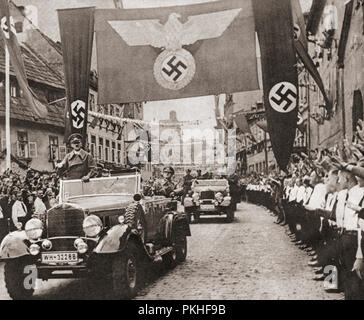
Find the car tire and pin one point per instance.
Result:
(230, 214)
(126, 272)
(196, 218)
(14, 277)
(170, 259)
(181, 248)
(188, 213)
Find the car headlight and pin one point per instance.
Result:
(34, 229)
(47, 245)
(81, 246)
(92, 226)
(34, 249)
(219, 197)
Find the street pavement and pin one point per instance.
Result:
(251, 258)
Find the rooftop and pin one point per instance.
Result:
(36, 67)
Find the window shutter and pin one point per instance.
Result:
(99, 154)
(62, 152)
(33, 152)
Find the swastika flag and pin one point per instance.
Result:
(175, 52)
(76, 30)
(274, 23)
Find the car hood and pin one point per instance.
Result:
(102, 202)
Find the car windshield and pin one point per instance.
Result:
(100, 186)
(202, 183)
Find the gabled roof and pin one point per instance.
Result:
(19, 110)
(36, 68)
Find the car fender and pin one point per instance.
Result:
(116, 239)
(14, 246)
(180, 221)
(111, 241)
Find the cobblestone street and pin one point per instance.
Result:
(251, 258)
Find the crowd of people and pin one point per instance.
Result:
(22, 197)
(320, 203)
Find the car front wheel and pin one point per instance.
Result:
(230, 214)
(126, 272)
(181, 248)
(16, 280)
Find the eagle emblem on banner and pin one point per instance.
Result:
(174, 67)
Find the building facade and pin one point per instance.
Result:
(335, 30)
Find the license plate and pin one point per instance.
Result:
(207, 207)
(59, 257)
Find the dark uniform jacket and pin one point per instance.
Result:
(79, 165)
(163, 187)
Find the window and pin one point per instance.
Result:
(119, 153)
(53, 148)
(22, 145)
(100, 150)
(107, 149)
(52, 95)
(113, 150)
(93, 146)
(15, 90)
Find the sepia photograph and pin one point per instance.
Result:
(182, 155)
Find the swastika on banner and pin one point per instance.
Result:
(283, 97)
(78, 109)
(174, 69)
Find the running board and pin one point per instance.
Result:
(161, 252)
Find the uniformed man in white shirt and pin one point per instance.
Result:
(19, 212)
(350, 250)
(39, 207)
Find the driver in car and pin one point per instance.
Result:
(78, 164)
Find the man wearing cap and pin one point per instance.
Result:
(78, 164)
(165, 186)
(187, 183)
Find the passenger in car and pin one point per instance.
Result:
(78, 164)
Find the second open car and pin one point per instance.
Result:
(209, 197)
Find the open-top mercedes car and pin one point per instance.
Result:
(209, 197)
(103, 230)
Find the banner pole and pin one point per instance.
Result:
(7, 108)
(308, 118)
(266, 152)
